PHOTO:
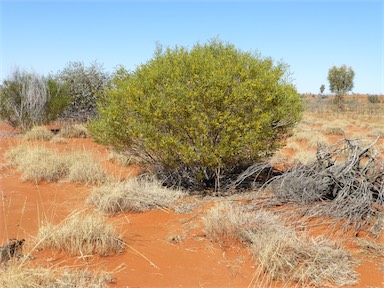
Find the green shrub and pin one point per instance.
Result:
(199, 116)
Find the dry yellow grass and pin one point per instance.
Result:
(134, 195)
(225, 222)
(37, 163)
(74, 131)
(374, 248)
(81, 234)
(39, 133)
(305, 156)
(85, 169)
(119, 158)
(280, 250)
(58, 139)
(16, 276)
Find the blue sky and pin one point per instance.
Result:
(310, 36)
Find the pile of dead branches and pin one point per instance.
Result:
(344, 182)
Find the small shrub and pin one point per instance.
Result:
(81, 234)
(374, 99)
(134, 195)
(39, 133)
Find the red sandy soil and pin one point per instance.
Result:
(164, 249)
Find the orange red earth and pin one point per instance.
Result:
(164, 249)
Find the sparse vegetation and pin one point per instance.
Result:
(134, 195)
(81, 234)
(279, 250)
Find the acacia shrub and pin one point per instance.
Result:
(199, 116)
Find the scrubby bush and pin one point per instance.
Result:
(84, 84)
(199, 116)
(373, 99)
(28, 99)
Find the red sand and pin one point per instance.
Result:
(154, 256)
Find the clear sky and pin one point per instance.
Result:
(311, 36)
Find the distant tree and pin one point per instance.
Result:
(340, 82)
(322, 88)
(84, 84)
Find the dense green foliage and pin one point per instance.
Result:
(28, 99)
(84, 83)
(199, 116)
(340, 82)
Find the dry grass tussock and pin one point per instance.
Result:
(74, 131)
(16, 276)
(37, 163)
(281, 253)
(374, 248)
(312, 138)
(83, 168)
(134, 195)
(39, 133)
(81, 234)
(58, 139)
(119, 158)
(304, 156)
(344, 182)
